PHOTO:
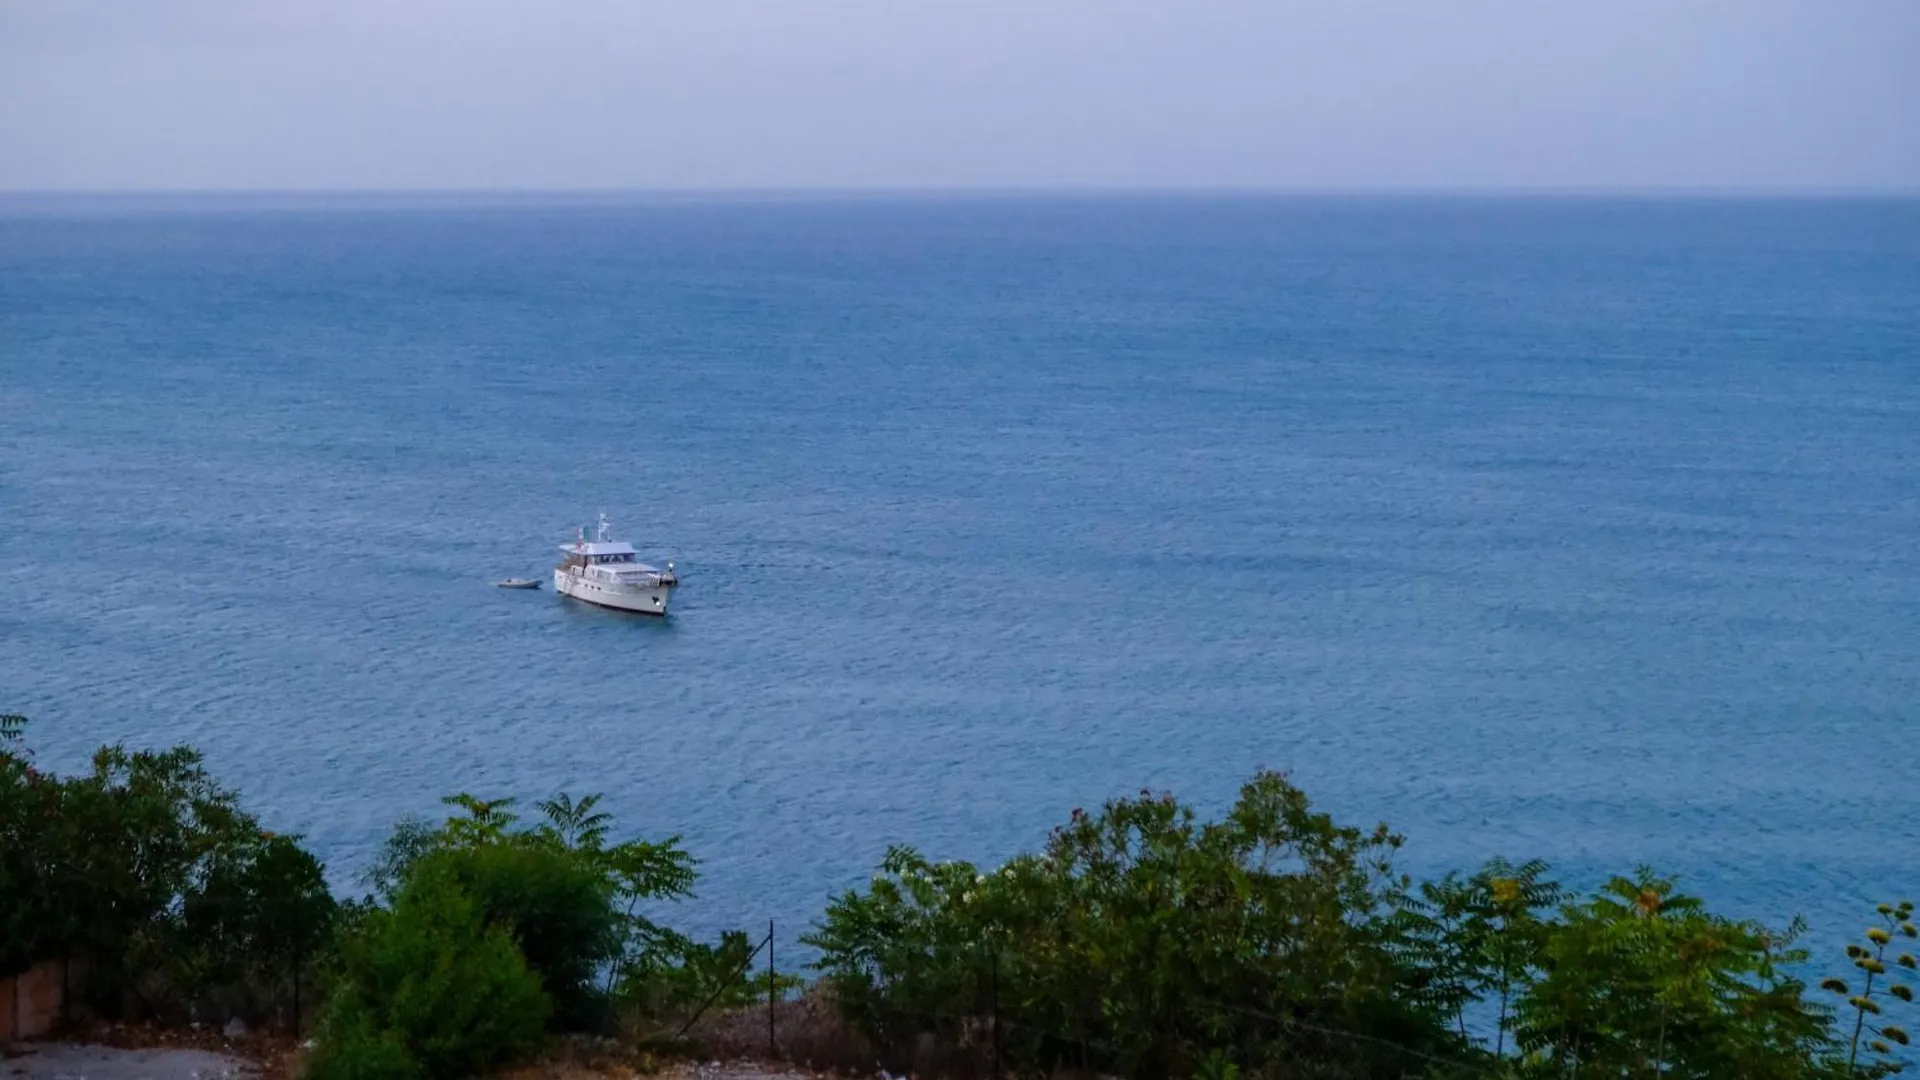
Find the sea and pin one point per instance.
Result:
(1585, 529)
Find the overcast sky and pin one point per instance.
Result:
(788, 94)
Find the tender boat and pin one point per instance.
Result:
(609, 573)
(518, 583)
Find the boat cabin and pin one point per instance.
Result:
(612, 560)
(599, 553)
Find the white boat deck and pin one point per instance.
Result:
(607, 572)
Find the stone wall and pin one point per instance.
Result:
(32, 1003)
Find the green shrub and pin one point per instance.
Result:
(568, 896)
(1475, 941)
(1641, 979)
(557, 907)
(350, 1048)
(678, 975)
(1142, 941)
(29, 802)
(430, 975)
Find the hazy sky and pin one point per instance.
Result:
(1289, 94)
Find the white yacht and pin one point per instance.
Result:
(607, 572)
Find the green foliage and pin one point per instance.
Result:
(1895, 933)
(428, 984)
(27, 802)
(259, 917)
(149, 867)
(576, 825)
(1643, 980)
(1142, 939)
(1215, 1065)
(570, 898)
(678, 974)
(479, 901)
(351, 1048)
(1276, 941)
(1477, 939)
(555, 905)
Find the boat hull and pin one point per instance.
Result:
(642, 601)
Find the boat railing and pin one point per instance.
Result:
(620, 573)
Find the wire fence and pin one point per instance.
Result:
(63, 991)
(980, 1035)
(738, 979)
(233, 970)
(970, 1029)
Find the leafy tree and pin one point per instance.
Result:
(1468, 940)
(260, 918)
(151, 868)
(575, 825)
(1641, 980)
(28, 801)
(1146, 940)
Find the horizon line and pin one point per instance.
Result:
(980, 191)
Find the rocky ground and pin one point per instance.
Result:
(205, 1052)
(256, 1060)
(70, 1061)
(143, 1052)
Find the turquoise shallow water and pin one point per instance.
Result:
(1578, 529)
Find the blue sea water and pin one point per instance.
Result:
(1580, 529)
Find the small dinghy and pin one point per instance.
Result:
(518, 583)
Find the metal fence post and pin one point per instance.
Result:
(772, 990)
(298, 955)
(993, 1005)
(296, 971)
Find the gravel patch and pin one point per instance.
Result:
(67, 1061)
(737, 1070)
